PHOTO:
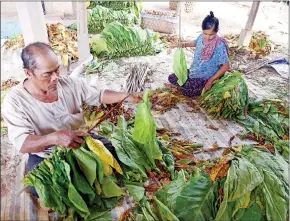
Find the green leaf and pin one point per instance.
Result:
(110, 188)
(164, 213)
(197, 199)
(179, 66)
(170, 192)
(242, 178)
(253, 213)
(77, 200)
(87, 164)
(97, 215)
(145, 129)
(136, 190)
(78, 180)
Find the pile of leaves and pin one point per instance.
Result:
(62, 40)
(115, 5)
(164, 99)
(117, 40)
(93, 114)
(78, 183)
(15, 42)
(246, 184)
(228, 97)
(99, 16)
(260, 45)
(266, 121)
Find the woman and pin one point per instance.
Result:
(211, 59)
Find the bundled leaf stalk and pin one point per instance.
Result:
(228, 97)
(117, 40)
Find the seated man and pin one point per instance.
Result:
(45, 109)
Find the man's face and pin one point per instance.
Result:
(45, 75)
(209, 34)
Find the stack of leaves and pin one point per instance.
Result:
(99, 16)
(62, 40)
(93, 114)
(115, 5)
(267, 120)
(164, 100)
(228, 97)
(117, 40)
(248, 184)
(180, 67)
(260, 45)
(131, 6)
(78, 181)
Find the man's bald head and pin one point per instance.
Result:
(33, 52)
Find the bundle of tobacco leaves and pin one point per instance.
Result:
(260, 45)
(117, 40)
(267, 120)
(239, 186)
(99, 16)
(78, 183)
(228, 97)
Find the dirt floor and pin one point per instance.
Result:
(265, 82)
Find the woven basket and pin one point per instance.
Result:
(162, 24)
(173, 5)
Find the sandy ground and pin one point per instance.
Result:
(272, 18)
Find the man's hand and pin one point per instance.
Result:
(69, 138)
(135, 97)
(208, 85)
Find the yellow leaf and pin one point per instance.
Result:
(103, 153)
(107, 169)
(227, 95)
(65, 60)
(242, 202)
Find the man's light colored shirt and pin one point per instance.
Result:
(26, 115)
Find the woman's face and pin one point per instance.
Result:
(209, 34)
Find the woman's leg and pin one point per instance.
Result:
(173, 79)
(193, 87)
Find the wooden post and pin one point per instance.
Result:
(83, 35)
(32, 22)
(246, 34)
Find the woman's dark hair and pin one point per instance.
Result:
(209, 22)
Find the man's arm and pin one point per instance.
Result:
(223, 69)
(65, 138)
(111, 97)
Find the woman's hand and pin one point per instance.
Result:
(208, 85)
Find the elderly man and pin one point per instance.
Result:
(45, 109)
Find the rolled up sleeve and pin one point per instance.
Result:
(19, 128)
